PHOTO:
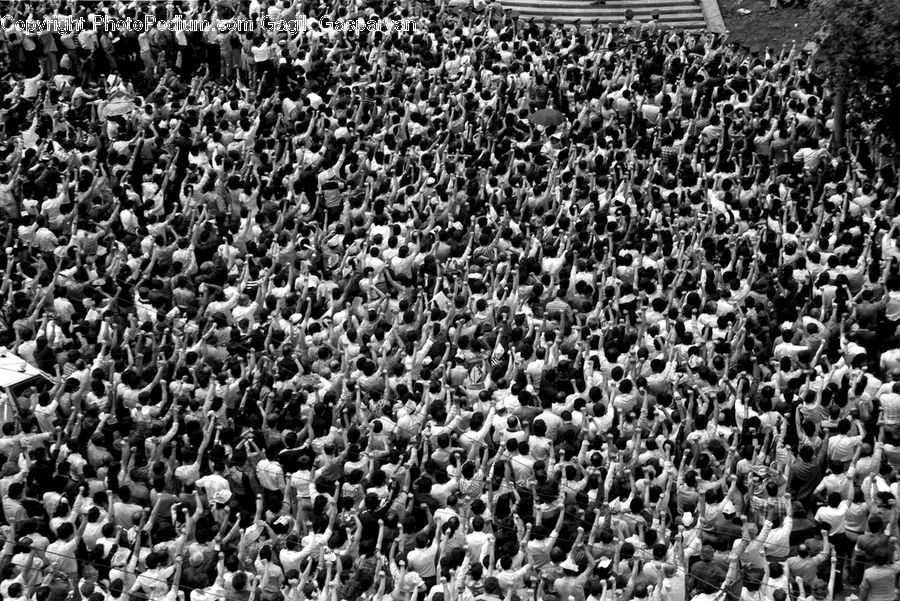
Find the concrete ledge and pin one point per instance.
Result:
(679, 14)
(713, 16)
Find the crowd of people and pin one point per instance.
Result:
(486, 309)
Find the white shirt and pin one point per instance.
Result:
(836, 517)
(31, 87)
(213, 484)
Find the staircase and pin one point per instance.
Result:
(680, 14)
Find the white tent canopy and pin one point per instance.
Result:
(15, 370)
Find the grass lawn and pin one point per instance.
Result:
(762, 28)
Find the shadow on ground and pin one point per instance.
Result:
(761, 28)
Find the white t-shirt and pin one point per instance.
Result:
(835, 517)
(31, 87)
(261, 53)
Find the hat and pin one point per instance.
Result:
(568, 564)
(222, 496)
(728, 508)
(253, 533)
(687, 519)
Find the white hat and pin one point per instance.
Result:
(687, 519)
(253, 533)
(728, 507)
(568, 564)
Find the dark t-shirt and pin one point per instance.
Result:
(369, 521)
(709, 572)
(45, 358)
(868, 543)
(421, 517)
(804, 479)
